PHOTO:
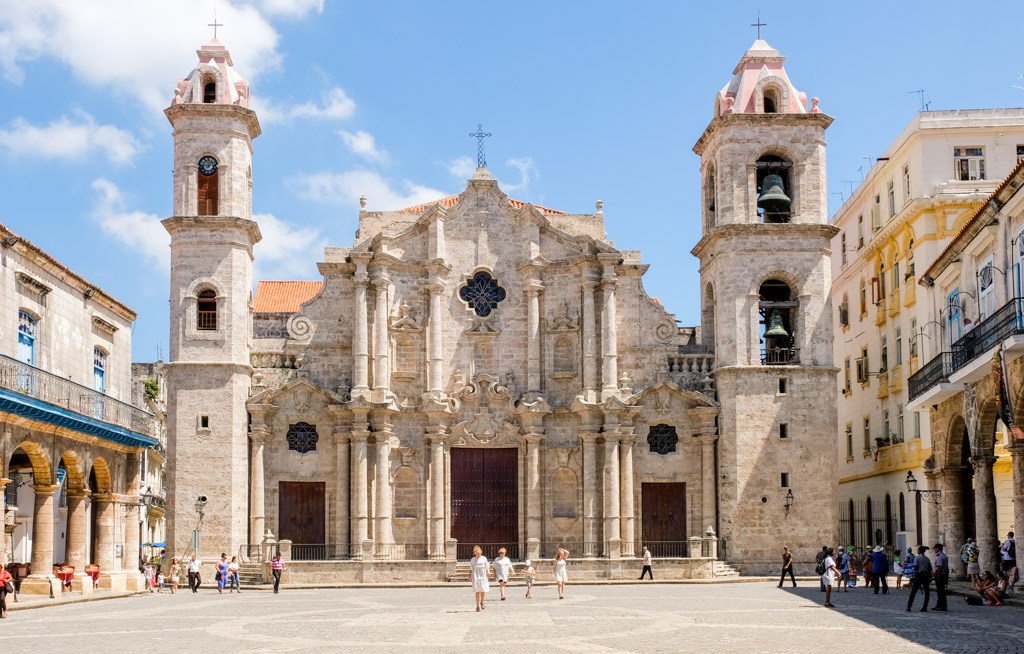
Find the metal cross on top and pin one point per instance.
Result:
(215, 24)
(480, 135)
(759, 25)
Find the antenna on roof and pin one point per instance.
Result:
(842, 196)
(925, 106)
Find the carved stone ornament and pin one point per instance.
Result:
(300, 328)
(404, 322)
(666, 330)
(564, 321)
(484, 404)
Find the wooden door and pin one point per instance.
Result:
(301, 510)
(485, 500)
(664, 518)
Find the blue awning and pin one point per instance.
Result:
(29, 407)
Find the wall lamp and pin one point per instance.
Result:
(10, 241)
(789, 500)
(927, 495)
(89, 292)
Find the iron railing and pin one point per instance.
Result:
(321, 551)
(1006, 321)
(464, 551)
(780, 356)
(934, 372)
(42, 385)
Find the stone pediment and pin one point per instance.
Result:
(296, 386)
(654, 394)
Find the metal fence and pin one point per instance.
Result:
(48, 387)
(868, 525)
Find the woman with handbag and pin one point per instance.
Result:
(222, 573)
(6, 586)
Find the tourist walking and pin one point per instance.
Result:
(233, 581)
(175, 576)
(276, 568)
(6, 586)
(969, 554)
(879, 570)
(478, 567)
(195, 576)
(560, 573)
(529, 573)
(646, 570)
(819, 558)
(922, 578)
(1008, 553)
(787, 567)
(502, 571)
(829, 576)
(222, 573)
(941, 577)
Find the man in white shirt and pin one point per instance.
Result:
(1008, 552)
(194, 573)
(647, 565)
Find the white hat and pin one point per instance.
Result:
(878, 548)
(527, 561)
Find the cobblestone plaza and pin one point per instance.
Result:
(742, 617)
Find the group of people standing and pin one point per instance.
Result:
(480, 570)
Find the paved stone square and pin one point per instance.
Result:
(744, 617)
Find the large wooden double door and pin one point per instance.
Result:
(301, 512)
(664, 518)
(485, 500)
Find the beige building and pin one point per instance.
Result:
(71, 440)
(915, 199)
(481, 370)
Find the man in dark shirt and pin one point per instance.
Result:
(880, 569)
(922, 577)
(787, 567)
(941, 577)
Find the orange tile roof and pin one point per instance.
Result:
(283, 297)
(452, 199)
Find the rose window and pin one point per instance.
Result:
(662, 439)
(482, 293)
(302, 437)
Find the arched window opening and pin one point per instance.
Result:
(209, 89)
(774, 204)
(777, 324)
(710, 196)
(208, 186)
(206, 310)
(771, 101)
(888, 521)
(870, 519)
(708, 321)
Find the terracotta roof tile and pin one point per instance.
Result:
(283, 297)
(452, 199)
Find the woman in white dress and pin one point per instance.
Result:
(502, 570)
(479, 567)
(561, 576)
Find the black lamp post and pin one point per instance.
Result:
(927, 495)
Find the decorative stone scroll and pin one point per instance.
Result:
(300, 328)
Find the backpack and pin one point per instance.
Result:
(820, 568)
(1013, 550)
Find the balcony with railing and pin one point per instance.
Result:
(780, 356)
(931, 374)
(34, 393)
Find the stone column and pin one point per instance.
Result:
(707, 491)
(257, 483)
(533, 357)
(382, 514)
(589, 340)
(360, 337)
(985, 514)
(1016, 449)
(591, 528)
(381, 369)
(611, 495)
(626, 499)
(103, 505)
(342, 490)
(360, 490)
(932, 536)
(435, 372)
(436, 533)
(3, 510)
(42, 532)
(951, 527)
(534, 510)
(77, 521)
(133, 523)
(609, 330)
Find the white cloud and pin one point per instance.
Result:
(345, 188)
(462, 167)
(137, 230)
(362, 144)
(527, 171)
(286, 252)
(290, 8)
(335, 105)
(103, 45)
(68, 140)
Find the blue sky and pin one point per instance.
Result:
(584, 100)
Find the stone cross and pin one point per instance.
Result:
(215, 24)
(758, 25)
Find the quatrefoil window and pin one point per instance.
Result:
(662, 439)
(302, 437)
(482, 293)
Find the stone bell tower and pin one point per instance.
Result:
(765, 278)
(212, 237)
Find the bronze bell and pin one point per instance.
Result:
(775, 328)
(773, 198)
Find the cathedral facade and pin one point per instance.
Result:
(481, 370)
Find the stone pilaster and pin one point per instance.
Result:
(591, 527)
(342, 488)
(709, 517)
(932, 536)
(626, 498)
(382, 531)
(360, 336)
(106, 512)
(534, 510)
(435, 369)
(133, 523)
(438, 444)
(533, 357)
(381, 368)
(589, 340)
(985, 514)
(76, 537)
(360, 481)
(612, 536)
(609, 328)
(257, 482)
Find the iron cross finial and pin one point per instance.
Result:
(215, 24)
(759, 25)
(480, 135)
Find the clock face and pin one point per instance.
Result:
(207, 165)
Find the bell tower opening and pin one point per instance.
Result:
(773, 182)
(777, 319)
(771, 101)
(208, 187)
(209, 89)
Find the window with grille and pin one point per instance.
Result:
(969, 163)
(302, 437)
(662, 439)
(206, 311)
(482, 294)
(986, 290)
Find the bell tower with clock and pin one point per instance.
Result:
(765, 269)
(209, 373)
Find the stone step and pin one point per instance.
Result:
(723, 569)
